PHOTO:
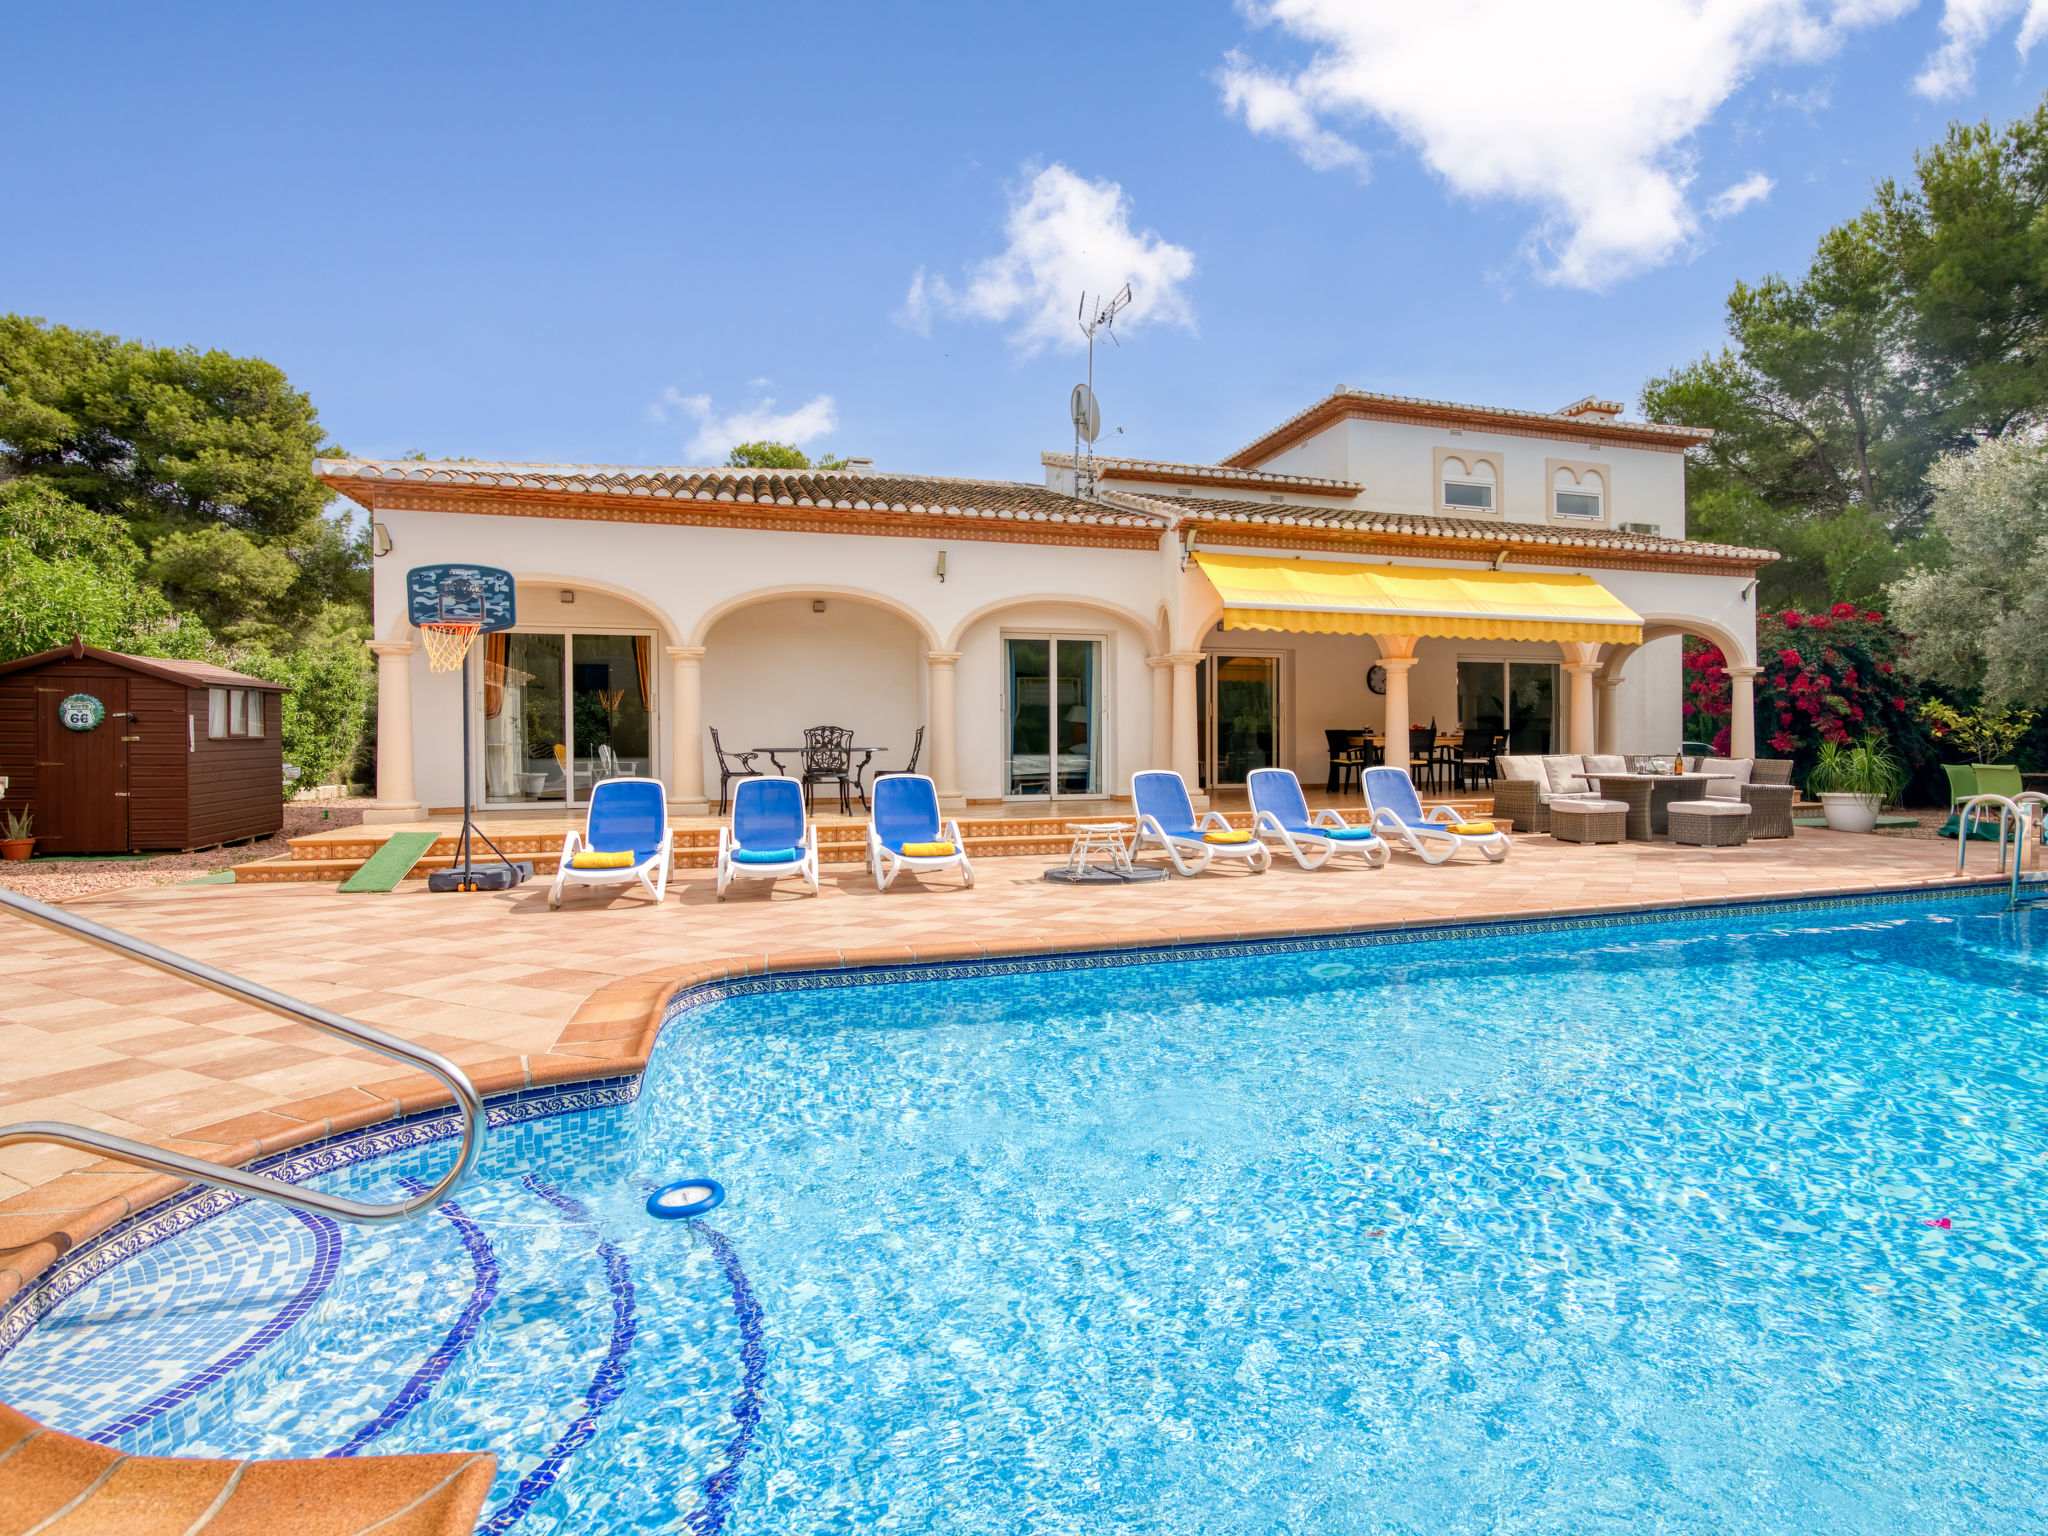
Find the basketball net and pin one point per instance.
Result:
(447, 642)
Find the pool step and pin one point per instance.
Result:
(328, 857)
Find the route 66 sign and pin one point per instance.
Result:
(81, 712)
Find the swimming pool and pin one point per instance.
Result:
(1550, 1228)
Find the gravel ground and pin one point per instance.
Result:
(62, 880)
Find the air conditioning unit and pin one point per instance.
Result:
(1650, 528)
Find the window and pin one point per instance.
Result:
(216, 713)
(1578, 492)
(1468, 482)
(255, 713)
(238, 711)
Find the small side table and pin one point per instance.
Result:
(1704, 823)
(1589, 821)
(1099, 837)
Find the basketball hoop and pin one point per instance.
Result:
(447, 642)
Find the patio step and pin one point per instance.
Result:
(330, 858)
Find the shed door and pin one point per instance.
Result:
(82, 793)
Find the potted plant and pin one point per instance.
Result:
(1853, 784)
(20, 840)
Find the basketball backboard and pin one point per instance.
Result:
(481, 595)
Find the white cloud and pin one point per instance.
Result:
(1730, 201)
(716, 435)
(1586, 112)
(1966, 26)
(1067, 235)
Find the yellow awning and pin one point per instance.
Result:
(1330, 597)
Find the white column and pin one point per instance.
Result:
(1606, 719)
(1398, 668)
(1161, 754)
(1581, 664)
(1742, 711)
(686, 773)
(396, 798)
(945, 730)
(1187, 741)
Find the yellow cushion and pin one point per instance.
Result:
(590, 858)
(1226, 837)
(927, 850)
(1472, 828)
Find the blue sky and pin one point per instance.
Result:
(623, 234)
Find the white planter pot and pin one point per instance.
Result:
(1851, 813)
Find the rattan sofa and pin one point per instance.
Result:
(1525, 786)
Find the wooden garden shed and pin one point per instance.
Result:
(120, 754)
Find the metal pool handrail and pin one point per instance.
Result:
(2011, 812)
(258, 1185)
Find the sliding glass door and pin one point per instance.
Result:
(1238, 710)
(1515, 697)
(563, 712)
(1053, 709)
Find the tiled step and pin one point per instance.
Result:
(331, 858)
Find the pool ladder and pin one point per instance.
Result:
(258, 1185)
(2023, 815)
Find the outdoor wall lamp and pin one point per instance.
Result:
(942, 566)
(1500, 560)
(1749, 589)
(380, 539)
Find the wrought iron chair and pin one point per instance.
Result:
(828, 759)
(916, 746)
(727, 772)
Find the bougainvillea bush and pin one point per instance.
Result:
(1827, 677)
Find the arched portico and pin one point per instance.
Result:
(1739, 650)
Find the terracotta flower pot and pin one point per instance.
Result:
(16, 848)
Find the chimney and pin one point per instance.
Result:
(860, 466)
(1593, 408)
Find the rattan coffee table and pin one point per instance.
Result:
(1589, 821)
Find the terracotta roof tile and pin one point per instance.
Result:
(932, 495)
(1163, 469)
(1365, 520)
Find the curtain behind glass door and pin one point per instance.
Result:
(1247, 701)
(1074, 708)
(1482, 696)
(524, 756)
(1029, 690)
(613, 699)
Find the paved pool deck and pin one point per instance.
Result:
(521, 996)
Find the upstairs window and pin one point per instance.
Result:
(1578, 492)
(1467, 483)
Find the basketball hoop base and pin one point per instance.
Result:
(488, 877)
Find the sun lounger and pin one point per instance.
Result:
(905, 831)
(625, 838)
(1280, 810)
(1397, 815)
(770, 837)
(1166, 816)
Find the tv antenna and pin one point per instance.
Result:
(1085, 409)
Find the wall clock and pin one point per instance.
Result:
(80, 712)
(1376, 678)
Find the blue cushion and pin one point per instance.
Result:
(1349, 834)
(766, 855)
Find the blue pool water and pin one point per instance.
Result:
(1588, 1229)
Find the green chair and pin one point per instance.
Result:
(1962, 783)
(1998, 779)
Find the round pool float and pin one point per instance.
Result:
(686, 1197)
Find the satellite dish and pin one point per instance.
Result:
(1086, 412)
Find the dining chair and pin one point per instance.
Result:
(1346, 760)
(1422, 753)
(734, 765)
(916, 746)
(828, 758)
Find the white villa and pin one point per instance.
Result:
(1374, 562)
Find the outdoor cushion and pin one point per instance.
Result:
(1565, 774)
(1726, 776)
(927, 850)
(592, 858)
(1471, 828)
(1521, 766)
(1226, 837)
(1344, 834)
(766, 855)
(1606, 762)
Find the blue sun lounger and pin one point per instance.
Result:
(1397, 816)
(626, 816)
(906, 817)
(770, 837)
(1166, 817)
(1280, 810)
